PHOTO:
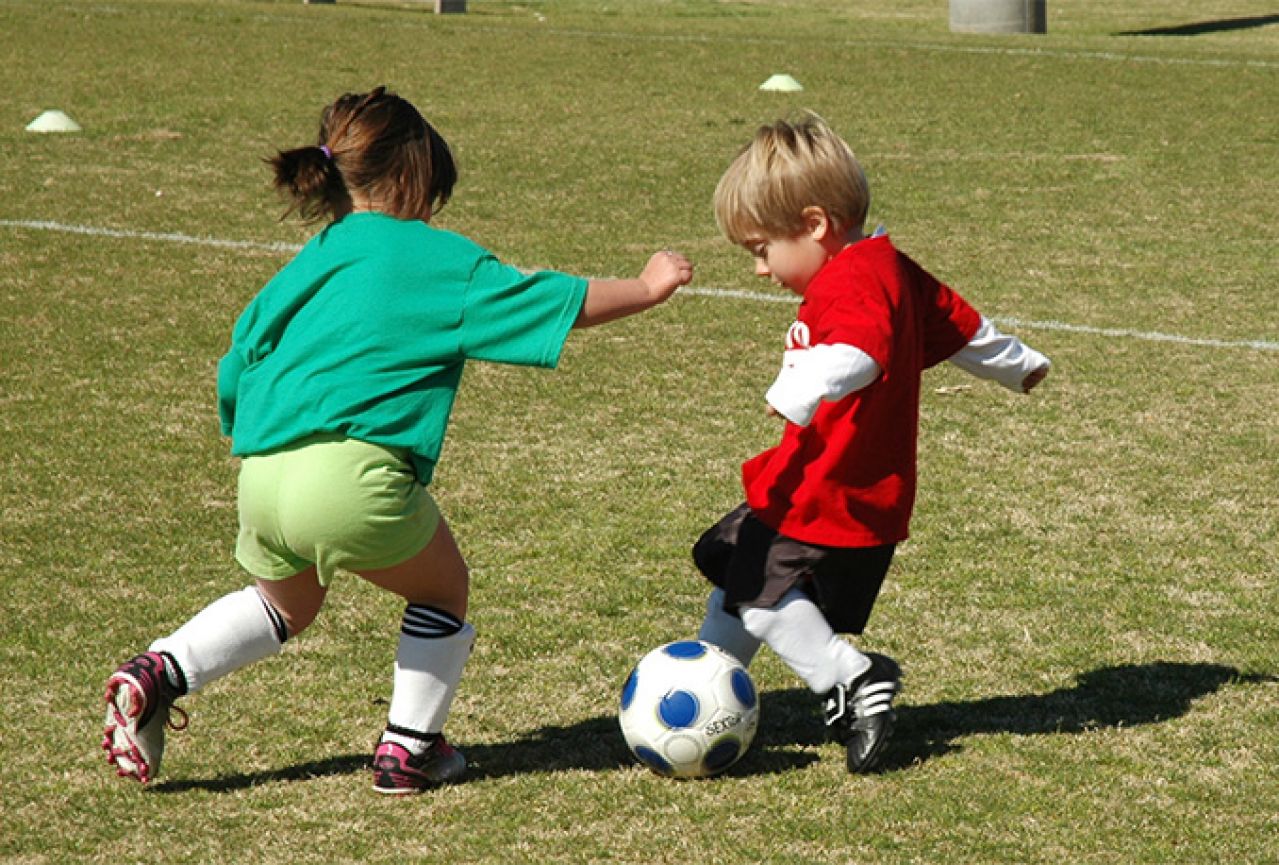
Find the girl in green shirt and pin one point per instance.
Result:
(336, 393)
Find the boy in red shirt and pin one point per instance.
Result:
(803, 559)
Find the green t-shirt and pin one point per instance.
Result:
(365, 333)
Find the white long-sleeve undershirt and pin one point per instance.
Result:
(831, 371)
(823, 372)
(998, 357)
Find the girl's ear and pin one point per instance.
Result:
(817, 223)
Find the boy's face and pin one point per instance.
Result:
(788, 261)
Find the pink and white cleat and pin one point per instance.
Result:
(397, 772)
(139, 699)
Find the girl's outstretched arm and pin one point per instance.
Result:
(611, 299)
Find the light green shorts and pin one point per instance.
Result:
(332, 502)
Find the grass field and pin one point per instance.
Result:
(1088, 610)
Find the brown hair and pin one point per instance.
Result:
(376, 144)
(788, 166)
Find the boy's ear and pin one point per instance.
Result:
(817, 222)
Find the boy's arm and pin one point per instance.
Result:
(823, 372)
(1002, 358)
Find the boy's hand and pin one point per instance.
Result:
(666, 271)
(1028, 383)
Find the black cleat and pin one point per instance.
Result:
(860, 714)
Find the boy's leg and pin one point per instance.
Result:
(233, 631)
(839, 590)
(759, 572)
(858, 713)
(857, 689)
(798, 632)
(761, 578)
(713, 554)
(727, 631)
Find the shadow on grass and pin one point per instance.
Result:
(596, 745)
(593, 745)
(1201, 27)
(1123, 696)
(346, 764)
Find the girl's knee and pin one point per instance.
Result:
(296, 600)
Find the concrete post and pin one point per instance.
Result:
(999, 16)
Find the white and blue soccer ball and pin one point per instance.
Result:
(689, 710)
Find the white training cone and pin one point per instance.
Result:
(53, 121)
(782, 84)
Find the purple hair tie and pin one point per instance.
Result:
(328, 154)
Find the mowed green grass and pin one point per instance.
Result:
(1086, 612)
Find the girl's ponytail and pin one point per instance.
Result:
(310, 182)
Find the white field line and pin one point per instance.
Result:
(726, 293)
(167, 237)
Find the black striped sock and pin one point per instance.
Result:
(416, 735)
(277, 621)
(429, 623)
(174, 673)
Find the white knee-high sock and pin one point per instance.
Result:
(230, 633)
(798, 632)
(727, 631)
(434, 647)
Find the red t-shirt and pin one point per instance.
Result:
(848, 478)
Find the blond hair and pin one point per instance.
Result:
(787, 167)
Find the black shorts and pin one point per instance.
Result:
(756, 566)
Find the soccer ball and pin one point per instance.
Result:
(689, 710)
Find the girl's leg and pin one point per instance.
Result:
(436, 577)
(296, 600)
(435, 643)
(240, 628)
(233, 631)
